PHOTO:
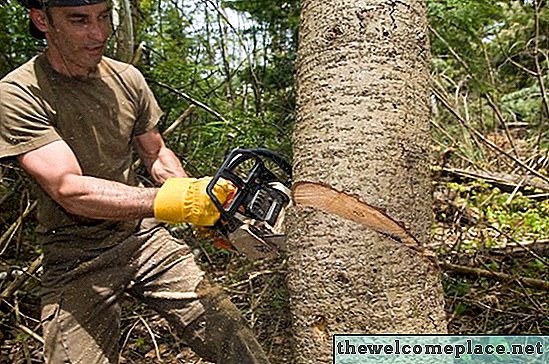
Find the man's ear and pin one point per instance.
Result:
(38, 17)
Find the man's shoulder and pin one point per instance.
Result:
(22, 75)
(121, 68)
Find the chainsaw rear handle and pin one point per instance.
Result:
(257, 176)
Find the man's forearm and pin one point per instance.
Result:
(102, 199)
(160, 161)
(166, 165)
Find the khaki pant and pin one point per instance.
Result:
(82, 287)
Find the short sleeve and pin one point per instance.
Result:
(148, 111)
(24, 122)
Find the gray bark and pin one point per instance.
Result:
(123, 30)
(362, 128)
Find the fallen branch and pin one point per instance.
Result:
(151, 333)
(486, 96)
(126, 339)
(532, 247)
(6, 237)
(477, 272)
(18, 282)
(31, 333)
(251, 277)
(499, 179)
(179, 120)
(489, 143)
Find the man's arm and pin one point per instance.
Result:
(160, 161)
(56, 169)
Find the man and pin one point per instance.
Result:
(71, 118)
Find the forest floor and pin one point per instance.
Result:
(474, 304)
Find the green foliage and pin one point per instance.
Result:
(524, 104)
(16, 44)
(520, 217)
(537, 266)
(465, 24)
(460, 308)
(283, 14)
(194, 49)
(462, 288)
(489, 60)
(509, 217)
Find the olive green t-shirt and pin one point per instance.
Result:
(97, 117)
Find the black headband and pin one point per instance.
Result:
(51, 3)
(39, 4)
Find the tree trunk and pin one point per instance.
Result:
(123, 30)
(362, 132)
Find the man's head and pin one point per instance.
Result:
(76, 31)
(43, 4)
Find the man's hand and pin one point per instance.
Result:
(185, 200)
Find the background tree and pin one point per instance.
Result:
(362, 129)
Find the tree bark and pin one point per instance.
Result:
(362, 130)
(123, 32)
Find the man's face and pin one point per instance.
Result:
(77, 36)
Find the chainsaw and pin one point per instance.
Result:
(252, 220)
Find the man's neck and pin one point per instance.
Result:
(61, 66)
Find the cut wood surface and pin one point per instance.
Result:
(351, 208)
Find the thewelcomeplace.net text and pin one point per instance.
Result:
(432, 348)
(456, 350)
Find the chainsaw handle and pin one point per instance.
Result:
(277, 158)
(236, 157)
(233, 160)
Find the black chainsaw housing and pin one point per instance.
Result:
(255, 173)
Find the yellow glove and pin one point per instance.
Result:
(185, 200)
